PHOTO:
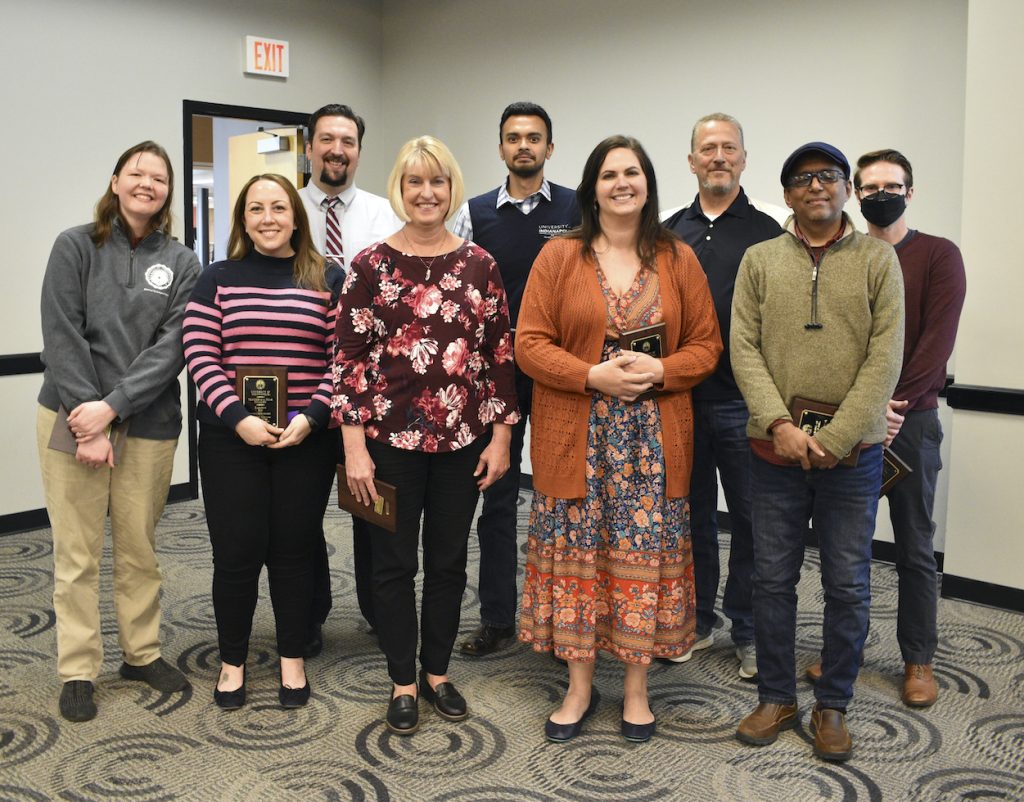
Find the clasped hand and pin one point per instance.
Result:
(793, 443)
(626, 376)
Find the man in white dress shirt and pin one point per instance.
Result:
(333, 145)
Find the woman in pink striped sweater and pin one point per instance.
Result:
(265, 487)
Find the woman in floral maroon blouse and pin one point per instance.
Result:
(424, 392)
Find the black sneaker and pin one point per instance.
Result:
(76, 702)
(158, 675)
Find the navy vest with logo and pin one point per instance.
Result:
(514, 239)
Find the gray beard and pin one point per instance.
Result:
(718, 189)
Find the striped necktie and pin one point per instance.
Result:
(334, 252)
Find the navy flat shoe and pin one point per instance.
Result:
(638, 733)
(560, 733)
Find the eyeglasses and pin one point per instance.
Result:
(824, 176)
(874, 189)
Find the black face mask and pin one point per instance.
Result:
(883, 208)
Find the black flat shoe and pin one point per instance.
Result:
(487, 640)
(560, 733)
(447, 701)
(230, 700)
(403, 716)
(638, 733)
(290, 698)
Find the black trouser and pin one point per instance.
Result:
(362, 565)
(442, 489)
(322, 602)
(496, 528)
(263, 507)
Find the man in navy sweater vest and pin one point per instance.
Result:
(512, 223)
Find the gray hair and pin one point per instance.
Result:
(717, 117)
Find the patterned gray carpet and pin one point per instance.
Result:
(149, 746)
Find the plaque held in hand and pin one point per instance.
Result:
(650, 340)
(264, 392)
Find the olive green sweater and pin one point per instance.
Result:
(853, 360)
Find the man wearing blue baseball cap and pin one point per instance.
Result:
(817, 325)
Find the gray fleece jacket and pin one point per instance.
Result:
(853, 360)
(112, 326)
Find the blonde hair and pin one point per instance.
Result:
(433, 154)
(309, 267)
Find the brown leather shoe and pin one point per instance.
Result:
(919, 686)
(762, 726)
(831, 738)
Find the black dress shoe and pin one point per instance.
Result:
(560, 733)
(638, 733)
(230, 700)
(487, 639)
(447, 701)
(290, 698)
(403, 714)
(315, 642)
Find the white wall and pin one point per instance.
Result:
(984, 534)
(791, 72)
(87, 80)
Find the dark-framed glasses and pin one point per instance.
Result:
(889, 189)
(828, 176)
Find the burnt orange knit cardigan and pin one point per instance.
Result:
(559, 337)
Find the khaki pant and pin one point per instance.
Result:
(78, 499)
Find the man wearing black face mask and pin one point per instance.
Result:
(934, 283)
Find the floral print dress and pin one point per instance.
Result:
(614, 570)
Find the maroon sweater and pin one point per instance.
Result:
(935, 284)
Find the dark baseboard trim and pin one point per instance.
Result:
(1001, 400)
(978, 592)
(23, 521)
(38, 519)
(20, 364)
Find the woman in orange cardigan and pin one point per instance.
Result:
(610, 565)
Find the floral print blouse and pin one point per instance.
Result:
(423, 355)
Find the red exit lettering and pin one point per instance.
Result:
(267, 56)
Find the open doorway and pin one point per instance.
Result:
(224, 146)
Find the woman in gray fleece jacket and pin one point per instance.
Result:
(113, 300)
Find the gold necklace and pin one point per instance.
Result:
(426, 264)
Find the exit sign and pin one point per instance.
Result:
(266, 56)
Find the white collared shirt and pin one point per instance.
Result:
(365, 218)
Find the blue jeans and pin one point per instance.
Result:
(842, 502)
(720, 442)
(910, 509)
(496, 527)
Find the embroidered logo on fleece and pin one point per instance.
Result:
(159, 277)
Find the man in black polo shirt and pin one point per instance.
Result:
(512, 223)
(720, 225)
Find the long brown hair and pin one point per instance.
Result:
(108, 209)
(309, 265)
(651, 234)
